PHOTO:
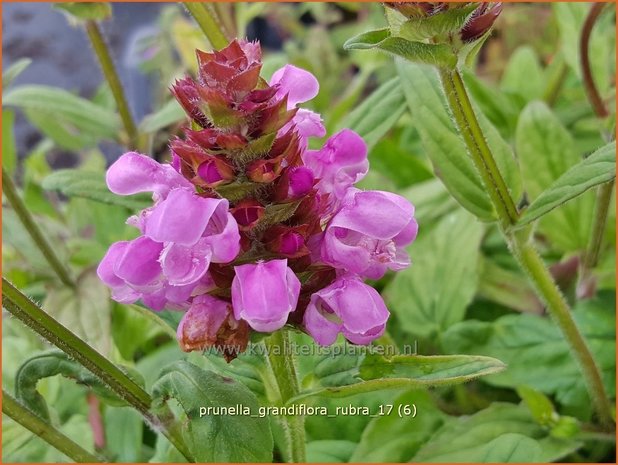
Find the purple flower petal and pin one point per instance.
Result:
(184, 265)
(139, 263)
(299, 85)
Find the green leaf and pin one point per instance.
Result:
(536, 352)
(215, 438)
(471, 439)
(85, 11)
(170, 113)
(449, 21)
(329, 451)
(546, 151)
(448, 253)
(540, 406)
(63, 106)
(124, 430)
(50, 364)
(394, 439)
(91, 185)
(64, 134)
(523, 74)
(440, 139)
(85, 309)
(347, 375)
(598, 168)
(9, 152)
(432, 54)
(14, 70)
(378, 113)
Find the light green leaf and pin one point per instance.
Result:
(448, 253)
(378, 113)
(540, 406)
(598, 168)
(433, 54)
(546, 150)
(85, 11)
(85, 309)
(82, 114)
(536, 352)
(14, 70)
(91, 185)
(124, 429)
(64, 134)
(523, 74)
(9, 152)
(170, 113)
(215, 438)
(389, 438)
(471, 439)
(449, 21)
(348, 375)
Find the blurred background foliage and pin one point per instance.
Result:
(463, 294)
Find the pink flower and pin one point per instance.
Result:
(368, 233)
(341, 163)
(299, 86)
(347, 306)
(264, 294)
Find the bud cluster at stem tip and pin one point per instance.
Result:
(249, 229)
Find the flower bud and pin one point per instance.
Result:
(288, 241)
(247, 213)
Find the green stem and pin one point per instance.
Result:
(45, 431)
(207, 19)
(521, 247)
(480, 152)
(556, 82)
(109, 71)
(24, 215)
(25, 310)
(281, 361)
(604, 197)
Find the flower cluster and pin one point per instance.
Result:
(249, 229)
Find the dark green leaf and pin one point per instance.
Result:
(598, 168)
(91, 185)
(215, 438)
(378, 113)
(419, 52)
(448, 253)
(512, 448)
(82, 114)
(49, 364)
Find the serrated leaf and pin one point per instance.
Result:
(471, 439)
(91, 185)
(84, 115)
(14, 70)
(85, 11)
(448, 253)
(419, 52)
(546, 150)
(215, 438)
(598, 168)
(349, 374)
(378, 113)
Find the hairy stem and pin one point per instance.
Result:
(209, 22)
(24, 215)
(25, 310)
(109, 71)
(527, 256)
(281, 361)
(480, 152)
(12, 408)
